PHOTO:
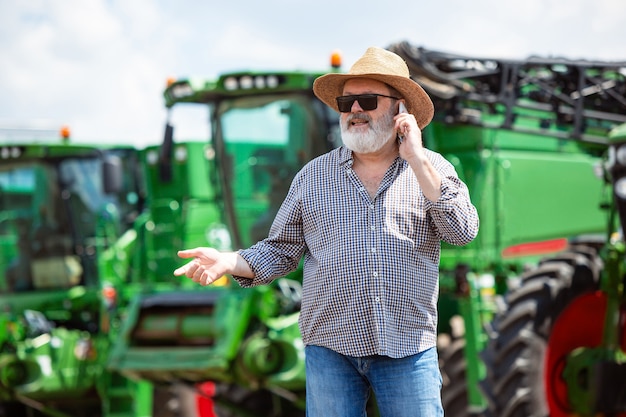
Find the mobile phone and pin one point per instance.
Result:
(401, 109)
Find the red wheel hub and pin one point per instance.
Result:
(579, 325)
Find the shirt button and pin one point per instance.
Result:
(377, 299)
(375, 274)
(373, 228)
(372, 207)
(373, 250)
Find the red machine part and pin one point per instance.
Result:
(204, 402)
(579, 325)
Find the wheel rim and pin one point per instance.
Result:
(579, 325)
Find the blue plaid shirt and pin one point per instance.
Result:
(371, 266)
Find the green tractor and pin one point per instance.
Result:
(62, 206)
(232, 351)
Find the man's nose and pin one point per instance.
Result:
(356, 109)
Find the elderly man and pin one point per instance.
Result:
(368, 217)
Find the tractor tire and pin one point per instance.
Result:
(522, 371)
(452, 365)
(11, 409)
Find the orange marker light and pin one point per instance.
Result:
(110, 296)
(335, 59)
(170, 81)
(65, 132)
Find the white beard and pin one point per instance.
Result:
(371, 140)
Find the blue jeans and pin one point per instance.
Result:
(339, 386)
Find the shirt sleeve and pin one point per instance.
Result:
(454, 215)
(281, 252)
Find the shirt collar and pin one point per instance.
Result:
(345, 156)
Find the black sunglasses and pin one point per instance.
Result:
(366, 101)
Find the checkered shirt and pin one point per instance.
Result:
(371, 266)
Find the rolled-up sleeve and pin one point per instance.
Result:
(279, 253)
(454, 215)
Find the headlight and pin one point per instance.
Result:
(180, 154)
(218, 237)
(7, 152)
(152, 157)
(181, 90)
(621, 155)
(247, 82)
(620, 188)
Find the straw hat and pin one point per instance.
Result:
(382, 65)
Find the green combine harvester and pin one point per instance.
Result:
(531, 139)
(102, 328)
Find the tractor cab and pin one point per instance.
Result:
(263, 128)
(60, 205)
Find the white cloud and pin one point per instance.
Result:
(101, 65)
(89, 64)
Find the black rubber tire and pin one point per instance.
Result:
(452, 365)
(514, 356)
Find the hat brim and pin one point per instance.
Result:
(329, 86)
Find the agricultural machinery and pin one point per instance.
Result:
(528, 137)
(93, 322)
(88, 302)
(532, 312)
(63, 206)
(103, 328)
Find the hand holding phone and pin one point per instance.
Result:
(401, 109)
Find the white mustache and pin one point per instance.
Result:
(360, 116)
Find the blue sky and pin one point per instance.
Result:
(100, 66)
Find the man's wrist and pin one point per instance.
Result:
(239, 266)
